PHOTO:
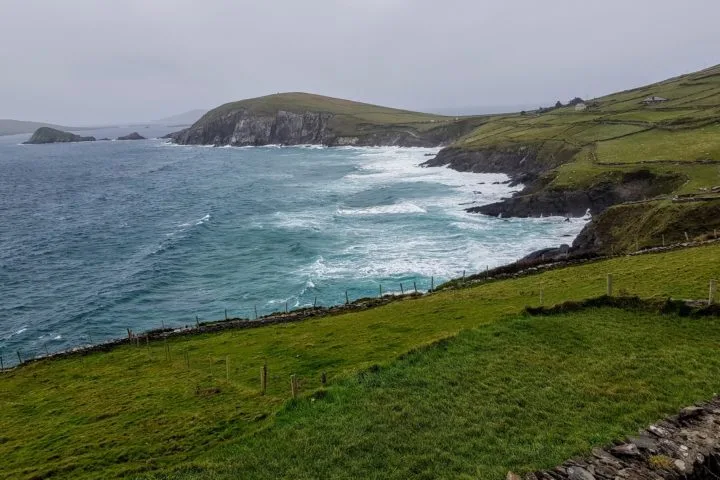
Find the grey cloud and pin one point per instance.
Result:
(91, 61)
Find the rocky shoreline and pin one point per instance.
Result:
(525, 166)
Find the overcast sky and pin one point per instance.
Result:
(96, 61)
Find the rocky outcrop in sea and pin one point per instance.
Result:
(45, 135)
(132, 136)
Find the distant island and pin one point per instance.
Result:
(132, 136)
(45, 135)
(16, 127)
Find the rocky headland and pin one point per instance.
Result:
(45, 135)
(301, 118)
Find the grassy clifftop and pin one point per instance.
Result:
(299, 102)
(292, 118)
(595, 148)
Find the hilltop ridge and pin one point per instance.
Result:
(304, 118)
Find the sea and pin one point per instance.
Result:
(96, 238)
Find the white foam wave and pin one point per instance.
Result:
(398, 208)
(20, 331)
(197, 222)
(307, 220)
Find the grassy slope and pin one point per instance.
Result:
(349, 117)
(518, 395)
(617, 135)
(131, 410)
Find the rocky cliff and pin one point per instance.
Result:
(300, 118)
(531, 167)
(50, 135)
(246, 128)
(243, 127)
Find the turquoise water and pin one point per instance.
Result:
(100, 237)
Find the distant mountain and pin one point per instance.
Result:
(15, 127)
(187, 118)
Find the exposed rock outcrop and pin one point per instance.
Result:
(132, 136)
(524, 165)
(631, 187)
(685, 446)
(243, 128)
(45, 135)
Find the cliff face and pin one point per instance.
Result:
(243, 128)
(50, 135)
(540, 198)
(525, 165)
(247, 128)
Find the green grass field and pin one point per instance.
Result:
(521, 394)
(621, 130)
(132, 410)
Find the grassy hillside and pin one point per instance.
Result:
(520, 395)
(134, 409)
(618, 134)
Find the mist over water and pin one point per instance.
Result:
(100, 237)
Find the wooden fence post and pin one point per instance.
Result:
(347, 299)
(380, 290)
(609, 285)
(415, 286)
(197, 322)
(663, 238)
(432, 284)
(263, 379)
(256, 315)
(402, 291)
(315, 302)
(19, 359)
(713, 290)
(293, 386)
(687, 237)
